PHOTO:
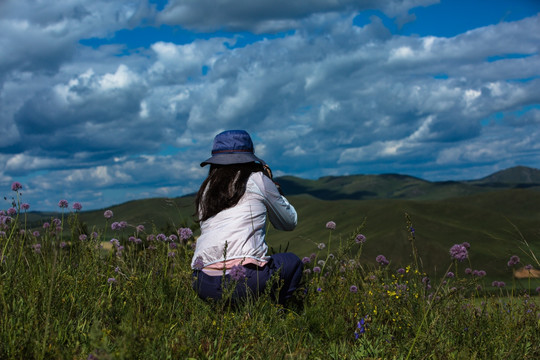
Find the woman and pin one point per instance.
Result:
(232, 205)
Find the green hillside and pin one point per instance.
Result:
(491, 216)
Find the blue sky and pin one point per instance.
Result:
(108, 101)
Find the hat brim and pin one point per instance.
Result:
(232, 158)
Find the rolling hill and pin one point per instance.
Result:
(493, 214)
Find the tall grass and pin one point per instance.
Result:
(126, 293)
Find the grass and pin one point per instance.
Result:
(72, 298)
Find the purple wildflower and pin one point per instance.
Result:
(321, 262)
(321, 246)
(306, 260)
(140, 228)
(82, 237)
(331, 225)
(12, 211)
(360, 239)
(316, 269)
(468, 271)
(171, 254)
(198, 264)
(115, 226)
(63, 245)
(46, 225)
(161, 237)
(108, 214)
(36, 233)
(25, 206)
(401, 271)
(173, 237)
(499, 284)
(185, 233)
(111, 280)
(353, 289)
(2, 233)
(514, 260)
(381, 259)
(459, 252)
(450, 274)
(37, 248)
(63, 204)
(16, 186)
(77, 206)
(173, 245)
(307, 271)
(466, 244)
(528, 267)
(151, 237)
(95, 235)
(313, 256)
(122, 224)
(237, 273)
(538, 289)
(56, 222)
(131, 239)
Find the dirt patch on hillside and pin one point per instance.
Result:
(524, 273)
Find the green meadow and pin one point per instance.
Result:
(64, 295)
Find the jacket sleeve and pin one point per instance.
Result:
(281, 213)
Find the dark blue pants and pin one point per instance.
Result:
(287, 265)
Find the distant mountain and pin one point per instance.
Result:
(395, 186)
(514, 175)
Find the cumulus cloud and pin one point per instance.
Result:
(268, 16)
(322, 96)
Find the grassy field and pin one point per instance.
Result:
(63, 296)
(494, 223)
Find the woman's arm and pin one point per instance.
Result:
(281, 213)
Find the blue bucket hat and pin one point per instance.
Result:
(232, 147)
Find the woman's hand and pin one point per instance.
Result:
(267, 171)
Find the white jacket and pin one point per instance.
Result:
(243, 226)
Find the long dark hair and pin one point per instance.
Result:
(223, 188)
